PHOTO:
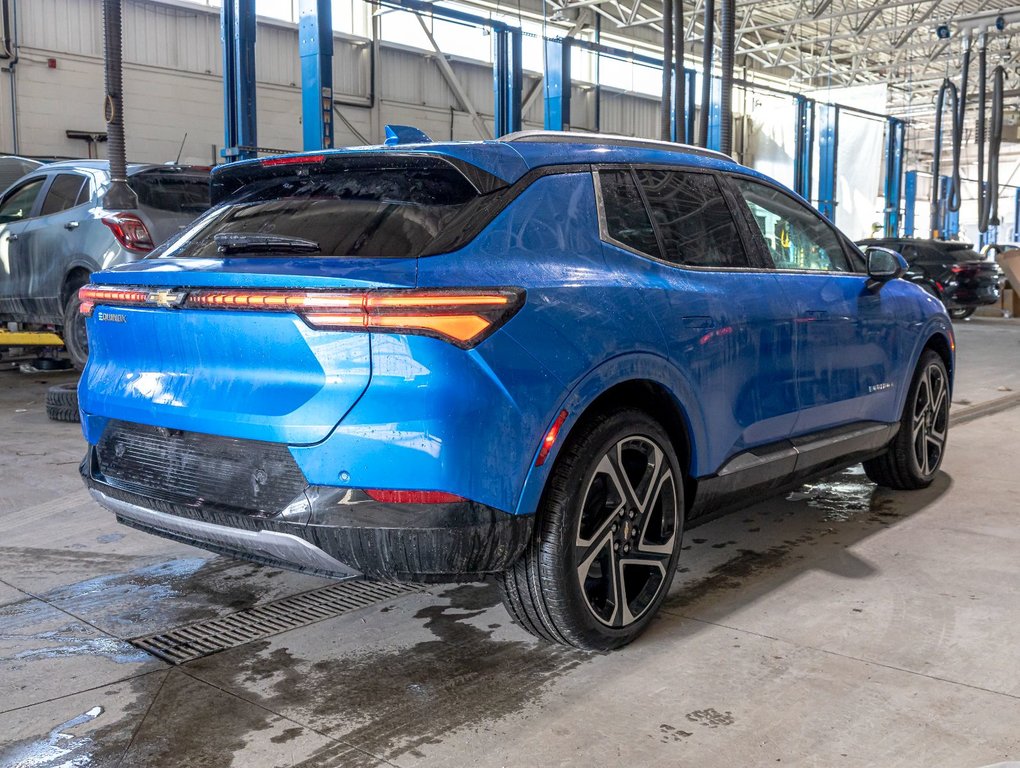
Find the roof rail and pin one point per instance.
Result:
(581, 137)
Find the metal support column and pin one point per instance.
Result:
(804, 147)
(237, 32)
(893, 175)
(715, 116)
(315, 36)
(828, 144)
(910, 202)
(507, 76)
(557, 84)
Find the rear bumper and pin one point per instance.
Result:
(325, 533)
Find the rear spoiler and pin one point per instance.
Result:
(227, 180)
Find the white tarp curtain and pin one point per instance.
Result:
(771, 140)
(860, 156)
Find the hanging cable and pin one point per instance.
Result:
(982, 196)
(679, 76)
(708, 41)
(957, 138)
(667, 69)
(995, 142)
(947, 89)
(727, 22)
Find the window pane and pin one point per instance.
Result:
(695, 223)
(380, 212)
(19, 202)
(172, 191)
(797, 237)
(63, 193)
(626, 218)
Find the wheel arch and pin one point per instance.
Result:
(75, 277)
(648, 382)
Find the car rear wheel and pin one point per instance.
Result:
(916, 453)
(962, 313)
(607, 536)
(76, 340)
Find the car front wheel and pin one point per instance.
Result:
(606, 539)
(915, 454)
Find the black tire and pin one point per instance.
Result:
(62, 402)
(915, 455)
(559, 590)
(962, 313)
(76, 340)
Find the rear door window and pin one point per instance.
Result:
(693, 219)
(19, 202)
(63, 193)
(377, 211)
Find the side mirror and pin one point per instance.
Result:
(884, 265)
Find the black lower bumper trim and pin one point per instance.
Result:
(324, 532)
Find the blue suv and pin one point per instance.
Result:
(539, 359)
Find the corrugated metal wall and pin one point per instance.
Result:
(173, 85)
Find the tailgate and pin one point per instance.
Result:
(259, 375)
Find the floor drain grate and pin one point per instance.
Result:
(194, 641)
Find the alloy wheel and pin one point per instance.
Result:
(627, 531)
(931, 419)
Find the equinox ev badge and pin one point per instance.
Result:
(167, 299)
(111, 317)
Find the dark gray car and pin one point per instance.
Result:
(54, 232)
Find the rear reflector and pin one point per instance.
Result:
(461, 316)
(413, 497)
(550, 439)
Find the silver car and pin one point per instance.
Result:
(54, 232)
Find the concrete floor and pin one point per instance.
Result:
(841, 626)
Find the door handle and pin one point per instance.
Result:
(698, 321)
(71, 225)
(12, 236)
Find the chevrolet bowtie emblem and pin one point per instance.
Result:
(167, 299)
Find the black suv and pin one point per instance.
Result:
(954, 272)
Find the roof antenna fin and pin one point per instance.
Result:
(405, 134)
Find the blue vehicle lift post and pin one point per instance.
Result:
(315, 36)
(910, 202)
(715, 116)
(1016, 216)
(804, 147)
(507, 78)
(828, 144)
(689, 107)
(950, 220)
(237, 31)
(556, 83)
(507, 68)
(893, 175)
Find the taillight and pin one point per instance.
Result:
(130, 231)
(412, 497)
(461, 316)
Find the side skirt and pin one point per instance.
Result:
(779, 467)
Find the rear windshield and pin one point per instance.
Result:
(172, 192)
(376, 212)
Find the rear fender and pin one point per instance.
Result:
(618, 370)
